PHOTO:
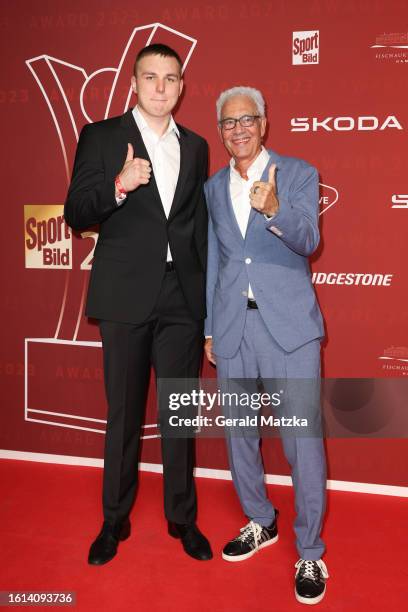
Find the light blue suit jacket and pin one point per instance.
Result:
(273, 257)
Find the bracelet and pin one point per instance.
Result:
(119, 186)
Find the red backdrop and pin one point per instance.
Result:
(343, 109)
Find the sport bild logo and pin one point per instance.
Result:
(48, 239)
(392, 47)
(305, 48)
(399, 200)
(344, 124)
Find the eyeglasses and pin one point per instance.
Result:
(245, 121)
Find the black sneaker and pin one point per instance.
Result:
(310, 581)
(252, 538)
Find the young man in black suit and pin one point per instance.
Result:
(140, 177)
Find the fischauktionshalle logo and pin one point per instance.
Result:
(47, 238)
(400, 200)
(395, 358)
(393, 46)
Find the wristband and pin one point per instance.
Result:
(119, 186)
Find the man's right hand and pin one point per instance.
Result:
(135, 171)
(208, 350)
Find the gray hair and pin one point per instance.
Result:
(249, 92)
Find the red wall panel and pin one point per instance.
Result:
(67, 63)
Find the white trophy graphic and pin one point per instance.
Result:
(75, 97)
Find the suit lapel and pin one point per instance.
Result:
(273, 159)
(135, 138)
(186, 163)
(230, 209)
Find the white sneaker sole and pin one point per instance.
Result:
(308, 600)
(251, 553)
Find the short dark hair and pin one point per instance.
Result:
(157, 49)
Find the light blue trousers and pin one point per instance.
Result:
(259, 356)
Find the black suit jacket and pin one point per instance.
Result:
(131, 252)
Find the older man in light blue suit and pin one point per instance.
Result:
(263, 320)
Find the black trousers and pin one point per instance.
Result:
(171, 341)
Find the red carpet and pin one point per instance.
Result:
(49, 515)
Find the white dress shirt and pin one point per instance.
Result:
(240, 188)
(164, 153)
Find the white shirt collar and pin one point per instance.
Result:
(143, 125)
(256, 168)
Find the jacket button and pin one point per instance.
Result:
(248, 260)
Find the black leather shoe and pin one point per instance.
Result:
(252, 538)
(310, 581)
(194, 543)
(105, 546)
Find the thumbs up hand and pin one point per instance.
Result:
(135, 171)
(130, 153)
(263, 196)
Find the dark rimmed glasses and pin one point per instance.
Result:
(245, 121)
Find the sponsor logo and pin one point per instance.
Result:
(305, 47)
(343, 124)
(352, 278)
(392, 47)
(327, 198)
(399, 200)
(395, 358)
(48, 239)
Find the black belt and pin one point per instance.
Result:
(252, 304)
(169, 266)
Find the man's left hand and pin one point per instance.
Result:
(263, 196)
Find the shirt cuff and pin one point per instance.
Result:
(120, 199)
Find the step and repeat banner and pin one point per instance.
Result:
(335, 78)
